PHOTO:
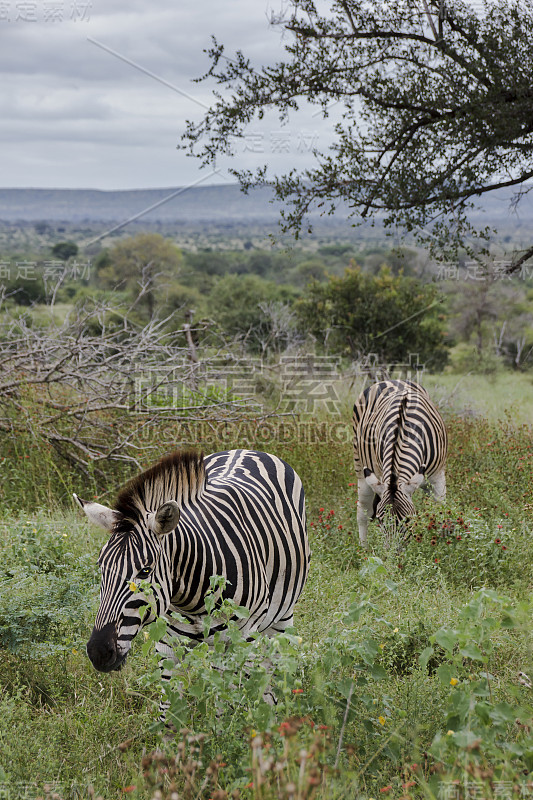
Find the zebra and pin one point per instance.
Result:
(399, 443)
(239, 514)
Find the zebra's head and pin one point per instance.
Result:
(394, 495)
(136, 550)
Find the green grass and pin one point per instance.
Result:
(492, 397)
(61, 722)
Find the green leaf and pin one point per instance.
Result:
(503, 713)
(483, 711)
(473, 652)
(445, 673)
(368, 650)
(508, 622)
(345, 687)
(424, 657)
(356, 610)
(447, 638)
(378, 673)
(157, 629)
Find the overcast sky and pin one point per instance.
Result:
(75, 115)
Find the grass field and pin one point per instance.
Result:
(406, 681)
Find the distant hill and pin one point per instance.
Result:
(203, 204)
(196, 205)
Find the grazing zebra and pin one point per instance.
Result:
(399, 442)
(239, 514)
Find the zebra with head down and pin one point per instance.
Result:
(239, 514)
(400, 442)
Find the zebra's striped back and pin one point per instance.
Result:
(241, 515)
(399, 441)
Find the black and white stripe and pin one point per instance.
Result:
(400, 442)
(239, 514)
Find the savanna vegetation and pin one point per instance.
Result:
(342, 299)
(406, 675)
(409, 671)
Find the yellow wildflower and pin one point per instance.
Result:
(396, 630)
(450, 733)
(133, 586)
(454, 682)
(382, 720)
(382, 646)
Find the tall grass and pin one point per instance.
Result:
(62, 723)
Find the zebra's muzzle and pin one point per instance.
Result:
(102, 649)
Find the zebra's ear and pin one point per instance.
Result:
(165, 519)
(374, 482)
(100, 515)
(412, 485)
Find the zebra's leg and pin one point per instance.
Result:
(166, 654)
(365, 510)
(281, 625)
(438, 485)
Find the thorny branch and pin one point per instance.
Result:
(91, 386)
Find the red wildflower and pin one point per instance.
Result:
(128, 788)
(504, 547)
(297, 691)
(497, 541)
(385, 789)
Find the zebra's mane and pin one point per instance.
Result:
(179, 476)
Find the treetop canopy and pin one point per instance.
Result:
(437, 110)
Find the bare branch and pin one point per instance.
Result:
(91, 385)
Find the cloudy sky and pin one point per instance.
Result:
(95, 94)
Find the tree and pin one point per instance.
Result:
(251, 308)
(143, 265)
(436, 110)
(389, 316)
(65, 250)
(493, 320)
